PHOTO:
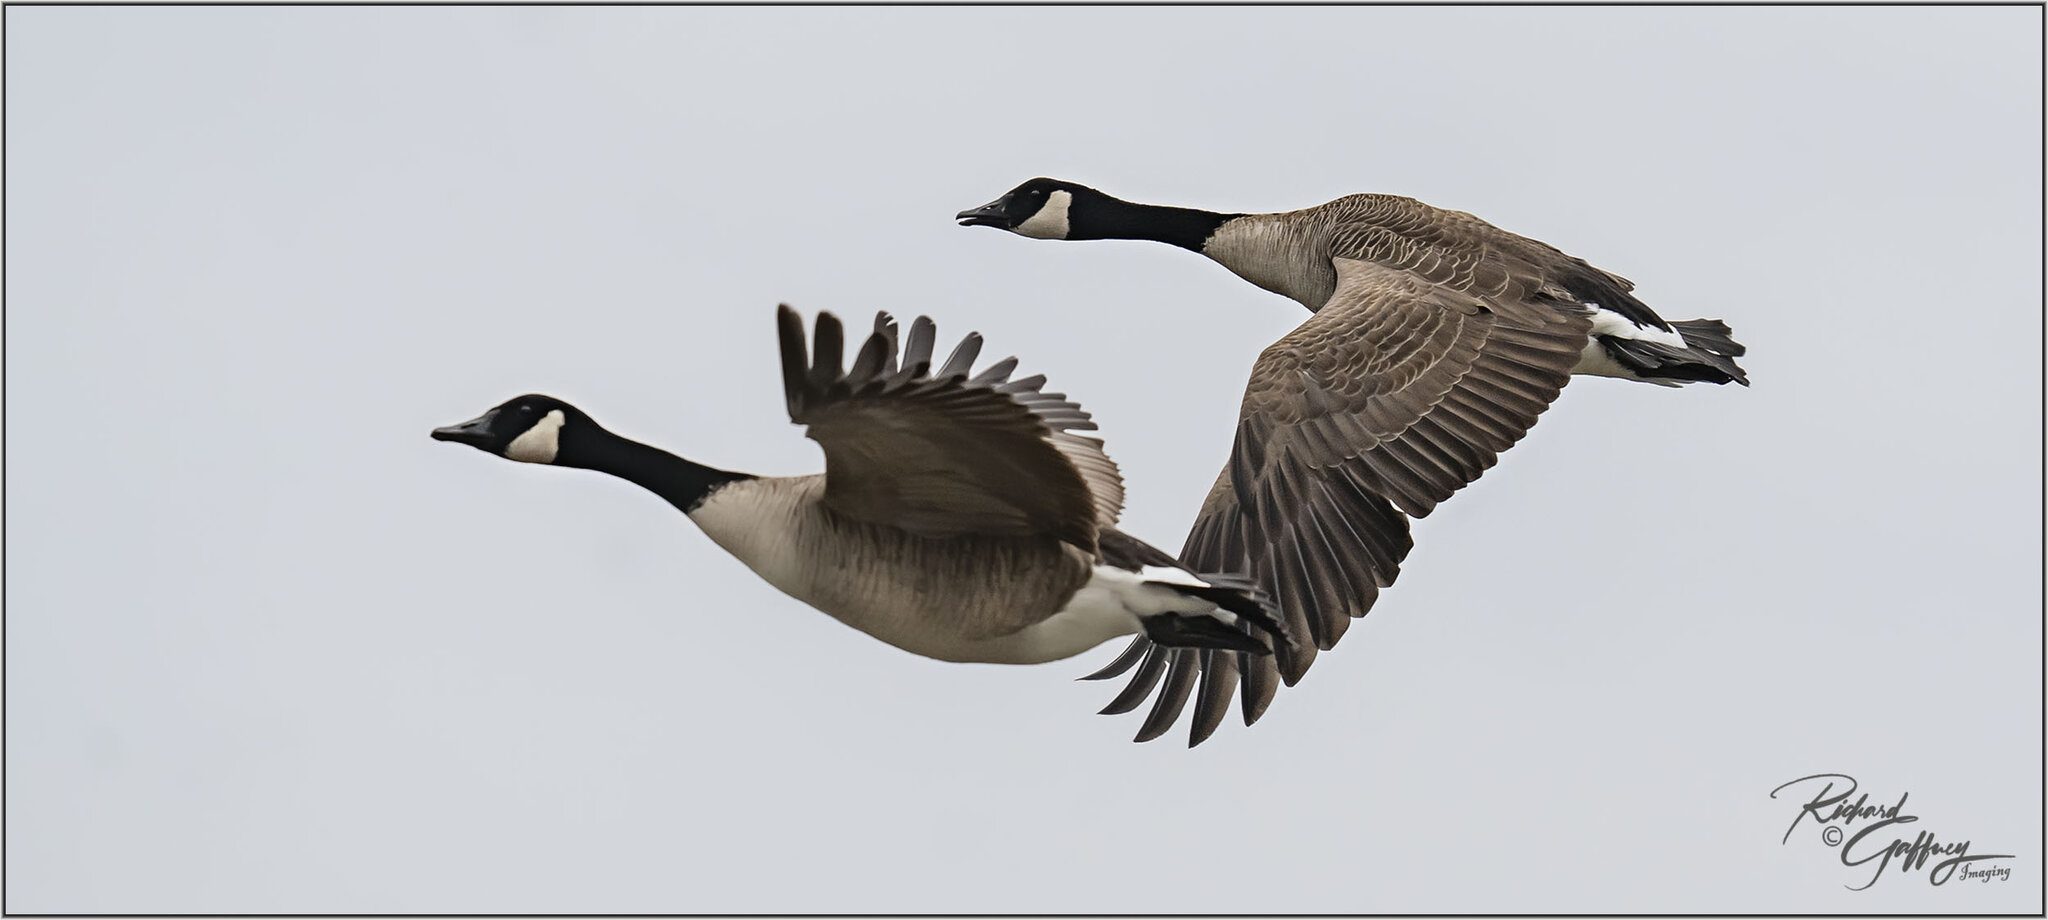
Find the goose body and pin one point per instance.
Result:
(985, 598)
(959, 517)
(1294, 254)
(1436, 341)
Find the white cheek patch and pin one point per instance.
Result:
(1050, 223)
(539, 443)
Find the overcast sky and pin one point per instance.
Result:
(272, 649)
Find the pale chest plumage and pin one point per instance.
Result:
(1281, 256)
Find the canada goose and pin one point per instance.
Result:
(959, 517)
(1437, 340)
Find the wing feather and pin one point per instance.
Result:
(944, 454)
(1405, 387)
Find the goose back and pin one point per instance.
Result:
(1292, 253)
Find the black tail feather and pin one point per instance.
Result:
(1240, 596)
(1175, 630)
(1711, 335)
(1710, 357)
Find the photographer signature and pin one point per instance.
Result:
(1832, 810)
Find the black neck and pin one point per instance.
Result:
(1109, 218)
(680, 482)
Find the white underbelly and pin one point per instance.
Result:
(1110, 605)
(1594, 361)
(1090, 619)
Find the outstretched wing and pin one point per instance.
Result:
(939, 452)
(1397, 393)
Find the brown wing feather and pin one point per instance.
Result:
(1397, 393)
(944, 453)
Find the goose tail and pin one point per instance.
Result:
(1258, 626)
(1708, 355)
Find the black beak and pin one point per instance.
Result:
(476, 432)
(992, 214)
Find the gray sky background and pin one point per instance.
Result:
(271, 649)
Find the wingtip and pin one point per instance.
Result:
(796, 359)
(1122, 662)
(787, 320)
(961, 361)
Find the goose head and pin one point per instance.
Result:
(530, 429)
(1043, 209)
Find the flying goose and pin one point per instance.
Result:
(959, 516)
(1437, 340)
